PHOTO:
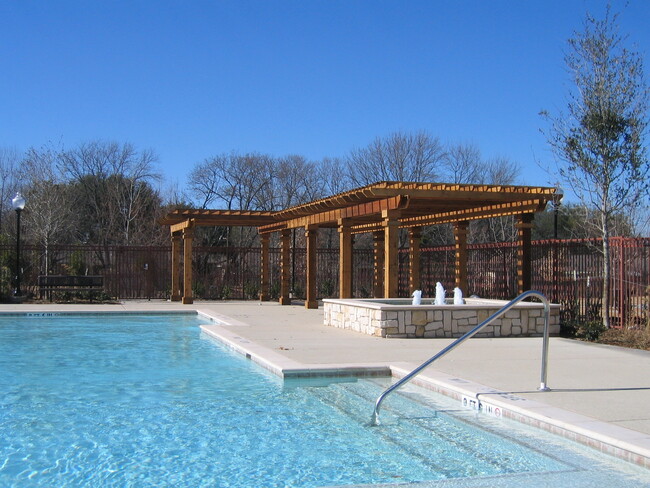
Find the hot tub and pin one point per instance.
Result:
(398, 318)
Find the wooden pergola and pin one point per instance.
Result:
(381, 209)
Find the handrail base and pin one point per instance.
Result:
(374, 421)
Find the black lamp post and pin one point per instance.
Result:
(18, 203)
(557, 201)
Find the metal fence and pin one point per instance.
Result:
(569, 272)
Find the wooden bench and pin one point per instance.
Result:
(69, 283)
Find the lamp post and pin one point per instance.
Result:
(557, 201)
(18, 203)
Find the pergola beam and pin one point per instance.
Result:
(331, 217)
(486, 212)
(181, 226)
(211, 218)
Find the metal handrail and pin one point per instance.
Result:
(460, 340)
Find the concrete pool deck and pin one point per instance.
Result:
(600, 395)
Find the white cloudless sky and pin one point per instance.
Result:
(193, 79)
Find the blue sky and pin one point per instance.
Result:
(192, 79)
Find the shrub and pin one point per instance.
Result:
(251, 290)
(590, 330)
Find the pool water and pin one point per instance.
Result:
(147, 400)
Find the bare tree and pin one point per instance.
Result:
(500, 171)
(496, 171)
(462, 164)
(113, 188)
(295, 181)
(135, 196)
(332, 174)
(49, 214)
(398, 157)
(204, 182)
(8, 159)
(232, 181)
(600, 140)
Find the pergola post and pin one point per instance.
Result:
(378, 254)
(345, 259)
(524, 225)
(390, 223)
(460, 248)
(415, 236)
(176, 268)
(311, 236)
(285, 266)
(188, 237)
(264, 272)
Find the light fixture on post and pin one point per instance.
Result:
(18, 203)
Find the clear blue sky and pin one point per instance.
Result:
(192, 79)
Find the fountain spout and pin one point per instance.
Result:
(440, 294)
(417, 297)
(458, 297)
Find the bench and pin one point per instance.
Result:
(69, 283)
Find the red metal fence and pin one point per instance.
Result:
(567, 271)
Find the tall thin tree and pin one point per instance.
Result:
(600, 140)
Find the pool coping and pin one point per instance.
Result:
(427, 304)
(620, 442)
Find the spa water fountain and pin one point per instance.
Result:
(420, 317)
(440, 294)
(458, 297)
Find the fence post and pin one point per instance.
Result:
(622, 311)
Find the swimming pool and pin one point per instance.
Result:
(146, 400)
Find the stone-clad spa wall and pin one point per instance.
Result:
(412, 321)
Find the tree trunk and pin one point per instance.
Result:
(605, 311)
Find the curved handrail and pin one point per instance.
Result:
(460, 340)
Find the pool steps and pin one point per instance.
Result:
(627, 444)
(468, 335)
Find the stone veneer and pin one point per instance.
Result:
(398, 318)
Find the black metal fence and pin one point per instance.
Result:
(567, 271)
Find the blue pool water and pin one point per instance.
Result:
(148, 401)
